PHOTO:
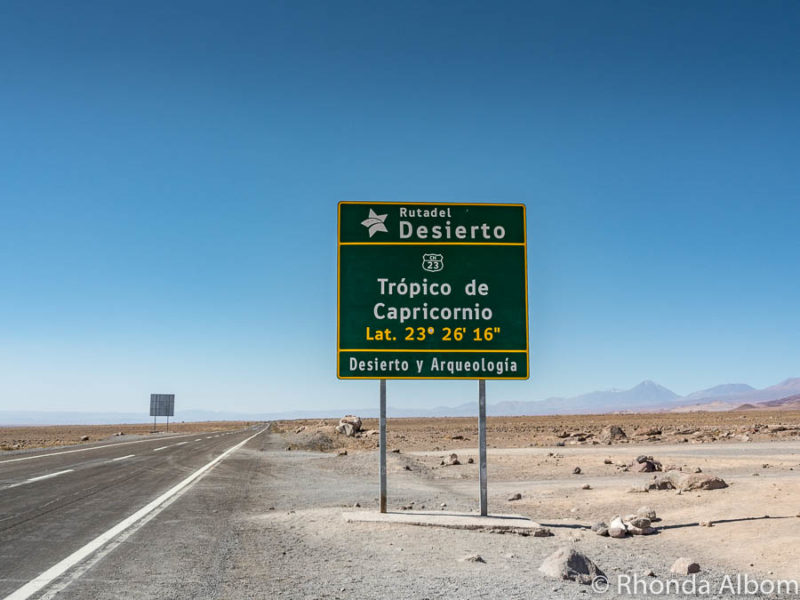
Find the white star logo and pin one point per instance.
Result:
(375, 223)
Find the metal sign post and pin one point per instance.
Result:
(383, 445)
(482, 444)
(432, 291)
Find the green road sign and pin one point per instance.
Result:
(432, 291)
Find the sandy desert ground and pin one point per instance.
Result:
(754, 522)
(282, 531)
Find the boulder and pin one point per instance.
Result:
(646, 512)
(612, 433)
(687, 482)
(349, 425)
(453, 460)
(684, 566)
(617, 529)
(570, 565)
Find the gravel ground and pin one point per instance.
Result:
(267, 523)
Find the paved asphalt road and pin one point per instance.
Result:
(54, 503)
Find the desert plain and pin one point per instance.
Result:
(286, 529)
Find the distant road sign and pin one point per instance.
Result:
(162, 405)
(432, 291)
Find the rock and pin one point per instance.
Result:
(706, 523)
(649, 466)
(640, 530)
(684, 566)
(346, 429)
(453, 460)
(560, 444)
(84, 438)
(542, 532)
(456, 437)
(643, 459)
(637, 522)
(586, 486)
(356, 505)
(300, 429)
(406, 468)
(341, 453)
(352, 420)
(646, 512)
(600, 528)
(514, 497)
(617, 529)
(576, 471)
(470, 460)
(570, 565)
(612, 433)
(648, 573)
(608, 461)
(474, 558)
(698, 470)
(699, 481)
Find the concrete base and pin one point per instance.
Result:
(510, 523)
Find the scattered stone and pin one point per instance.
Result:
(84, 438)
(396, 451)
(576, 471)
(356, 505)
(341, 453)
(406, 468)
(570, 565)
(560, 444)
(617, 529)
(608, 461)
(648, 573)
(349, 425)
(698, 470)
(647, 513)
(474, 558)
(542, 532)
(453, 460)
(514, 497)
(706, 523)
(456, 437)
(586, 486)
(612, 433)
(470, 460)
(600, 528)
(300, 429)
(684, 566)
(443, 505)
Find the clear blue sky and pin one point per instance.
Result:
(170, 173)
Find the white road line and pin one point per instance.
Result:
(180, 443)
(40, 478)
(10, 460)
(45, 578)
(199, 440)
(122, 458)
(157, 449)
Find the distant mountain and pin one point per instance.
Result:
(648, 396)
(718, 391)
(732, 401)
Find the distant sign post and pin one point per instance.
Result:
(162, 405)
(432, 291)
